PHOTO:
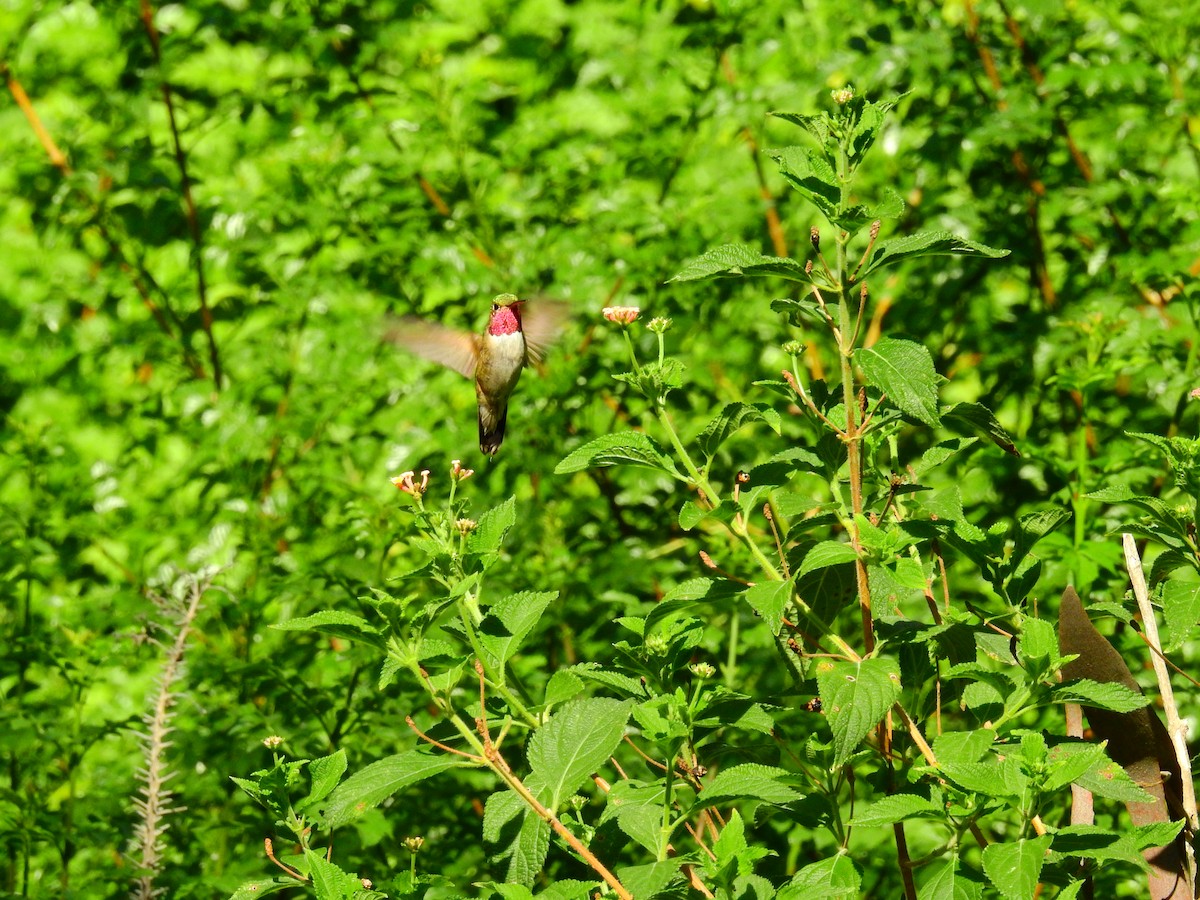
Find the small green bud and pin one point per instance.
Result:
(703, 670)
(659, 325)
(656, 645)
(842, 96)
(793, 348)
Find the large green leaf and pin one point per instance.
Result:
(373, 784)
(338, 623)
(827, 553)
(492, 527)
(904, 371)
(576, 742)
(740, 259)
(809, 172)
(749, 781)
(1014, 867)
(855, 697)
(732, 417)
(926, 243)
(623, 448)
(509, 621)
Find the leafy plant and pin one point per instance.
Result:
(929, 704)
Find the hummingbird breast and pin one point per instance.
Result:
(501, 357)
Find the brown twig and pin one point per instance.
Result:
(478, 760)
(193, 220)
(57, 158)
(271, 856)
(500, 766)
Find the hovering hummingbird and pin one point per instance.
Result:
(515, 337)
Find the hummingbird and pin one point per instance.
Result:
(514, 338)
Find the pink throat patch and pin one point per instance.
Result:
(504, 321)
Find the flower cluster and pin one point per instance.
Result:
(407, 483)
(622, 315)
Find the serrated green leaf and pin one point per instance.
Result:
(692, 514)
(946, 884)
(1156, 834)
(324, 775)
(708, 589)
(732, 260)
(993, 776)
(809, 172)
(623, 448)
(329, 881)
(512, 891)
(868, 121)
(650, 879)
(249, 890)
(529, 850)
(576, 742)
(926, 243)
(769, 599)
(904, 371)
(819, 125)
(855, 697)
(835, 878)
(896, 808)
(733, 417)
(337, 623)
(637, 808)
(616, 680)
(1111, 781)
(373, 784)
(1037, 639)
(562, 686)
(827, 553)
(1070, 761)
(492, 527)
(749, 781)
(499, 809)
(1181, 612)
(508, 623)
(1015, 867)
(1102, 695)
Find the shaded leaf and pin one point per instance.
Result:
(926, 243)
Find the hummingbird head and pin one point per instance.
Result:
(506, 315)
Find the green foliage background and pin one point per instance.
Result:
(353, 161)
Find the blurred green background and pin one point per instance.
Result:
(352, 161)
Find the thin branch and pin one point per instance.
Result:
(500, 766)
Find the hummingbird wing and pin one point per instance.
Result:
(448, 346)
(542, 320)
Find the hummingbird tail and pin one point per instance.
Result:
(491, 428)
